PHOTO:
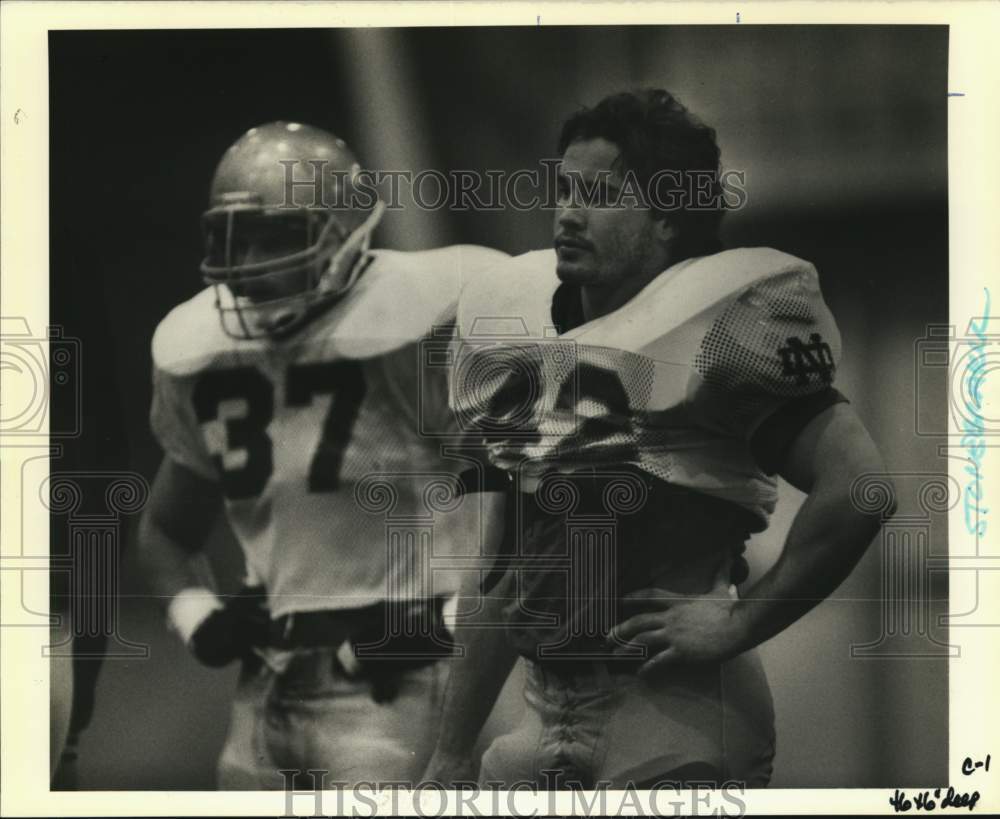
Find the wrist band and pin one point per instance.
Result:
(189, 609)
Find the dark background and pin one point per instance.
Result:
(842, 133)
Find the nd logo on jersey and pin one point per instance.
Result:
(800, 360)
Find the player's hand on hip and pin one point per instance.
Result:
(683, 628)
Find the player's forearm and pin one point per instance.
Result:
(826, 541)
(181, 579)
(169, 567)
(174, 528)
(475, 680)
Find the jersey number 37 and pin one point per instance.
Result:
(342, 379)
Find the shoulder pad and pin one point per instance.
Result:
(190, 336)
(520, 286)
(400, 299)
(688, 290)
(475, 259)
(405, 293)
(740, 267)
(775, 334)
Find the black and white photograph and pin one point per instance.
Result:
(413, 411)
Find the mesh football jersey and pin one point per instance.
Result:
(321, 440)
(675, 382)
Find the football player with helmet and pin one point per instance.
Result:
(290, 393)
(642, 390)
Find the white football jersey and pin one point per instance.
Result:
(674, 382)
(324, 443)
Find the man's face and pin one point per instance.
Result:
(270, 242)
(599, 244)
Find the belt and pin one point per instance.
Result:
(376, 643)
(384, 630)
(579, 671)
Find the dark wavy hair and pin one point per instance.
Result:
(656, 133)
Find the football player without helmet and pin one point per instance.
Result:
(660, 411)
(282, 390)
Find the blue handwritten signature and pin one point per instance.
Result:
(973, 439)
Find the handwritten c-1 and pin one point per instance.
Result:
(952, 799)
